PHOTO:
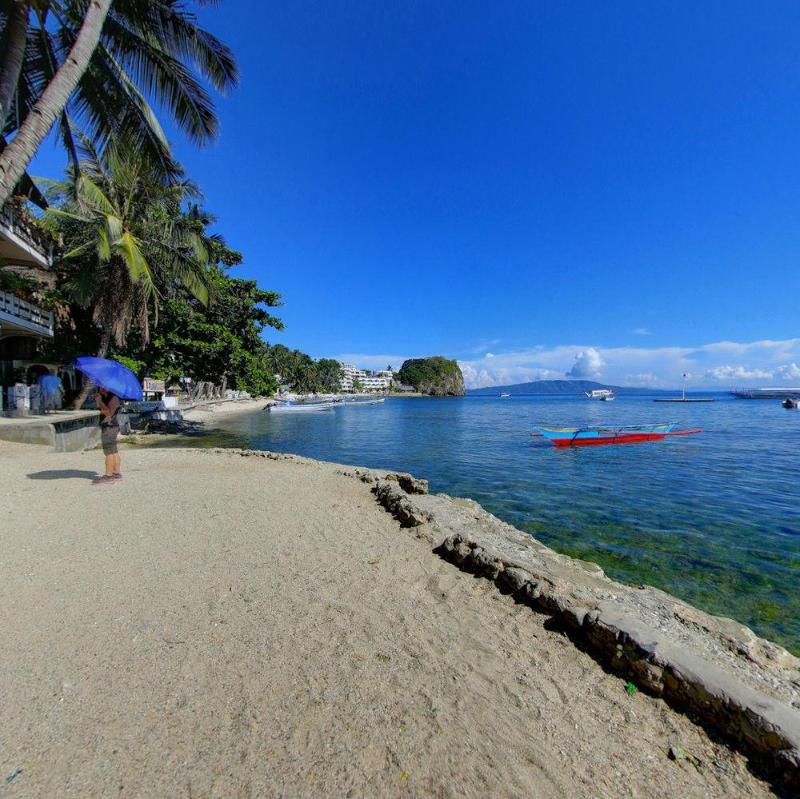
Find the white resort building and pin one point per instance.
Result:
(368, 381)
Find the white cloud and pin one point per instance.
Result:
(736, 373)
(641, 331)
(588, 364)
(706, 365)
(789, 371)
(644, 379)
(717, 364)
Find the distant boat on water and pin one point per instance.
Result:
(504, 395)
(593, 436)
(365, 401)
(602, 394)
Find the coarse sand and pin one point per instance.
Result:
(220, 626)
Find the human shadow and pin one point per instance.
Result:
(62, 474)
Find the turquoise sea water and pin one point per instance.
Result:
(712, 518)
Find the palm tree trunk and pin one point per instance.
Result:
(17, 155)
(102, 350)
(13, 55)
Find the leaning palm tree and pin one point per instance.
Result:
(97, 63)
(128, 240)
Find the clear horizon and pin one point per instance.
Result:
(536, 191)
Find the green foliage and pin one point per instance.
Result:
(128, 241)
(302, 372)
(15, 283)
(434, 375)
(330, 374)
(153, 51)
(220, 342)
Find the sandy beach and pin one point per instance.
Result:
(210, 412)
(222, 626)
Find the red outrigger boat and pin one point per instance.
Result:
(593, 436)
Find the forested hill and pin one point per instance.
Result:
(560, 387)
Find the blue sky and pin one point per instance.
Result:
(606, 190)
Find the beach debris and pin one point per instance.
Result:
(679, 754)
(382, 658)
(630, 689)
(13, 775)
(404, 776)
(373, 562)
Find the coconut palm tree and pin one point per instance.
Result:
(128, 239)
(96, 63)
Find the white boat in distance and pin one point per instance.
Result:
(604, 394)
(367, 401)
(301, 407)
(505, 395)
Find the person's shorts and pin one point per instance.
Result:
(108, 438)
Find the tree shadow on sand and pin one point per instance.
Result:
(62, 474)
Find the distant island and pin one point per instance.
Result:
(559, 387)
(436, 376)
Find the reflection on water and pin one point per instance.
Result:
(711, 518)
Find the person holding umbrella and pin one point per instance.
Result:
(109, 405)
(116, 382)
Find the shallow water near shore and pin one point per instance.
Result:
(712, 518)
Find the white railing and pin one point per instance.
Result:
(27, 312)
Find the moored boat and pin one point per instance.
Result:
(591, 436)
(504, 395)
(301, 407)
(604, 394)
(365, 401)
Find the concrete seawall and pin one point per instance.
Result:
(61, 432)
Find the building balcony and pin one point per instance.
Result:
(22, 242)
(21, 318)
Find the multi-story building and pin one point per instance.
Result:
(26, 250)
(368, 381)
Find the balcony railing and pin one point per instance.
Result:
(29, 316)
(33, 236)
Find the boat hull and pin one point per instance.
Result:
(300, 408)
(592, 437)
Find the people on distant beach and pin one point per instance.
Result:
(109, 405)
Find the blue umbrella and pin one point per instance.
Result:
(111, 375)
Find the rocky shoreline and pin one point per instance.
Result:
(737, 685)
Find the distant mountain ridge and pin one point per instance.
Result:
(560, 387)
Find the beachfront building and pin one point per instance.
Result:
(27, 251)
(363, 380)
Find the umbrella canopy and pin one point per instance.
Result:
(111, 375)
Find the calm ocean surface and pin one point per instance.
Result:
(711, 518)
